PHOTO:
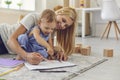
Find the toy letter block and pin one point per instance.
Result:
(86, 50)
(108, 53)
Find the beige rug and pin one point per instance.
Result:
(83, 63)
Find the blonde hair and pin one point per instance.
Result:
(20, 18)
(57, 7)
(66, 37)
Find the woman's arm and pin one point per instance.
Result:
(60, 55)
(13, 43)
(33, 58)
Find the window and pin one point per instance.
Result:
(18, 4)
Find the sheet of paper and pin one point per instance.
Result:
(52, 64)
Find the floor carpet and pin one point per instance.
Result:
(84, 63)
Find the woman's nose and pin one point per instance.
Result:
(63, 25)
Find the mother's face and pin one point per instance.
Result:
(63, 21)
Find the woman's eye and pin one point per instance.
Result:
(58, 22)
(66, 25)
(63, 20)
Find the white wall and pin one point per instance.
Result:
(74, 3)
(43, 4)
(95, 3)
(10, 16)
(52, 3)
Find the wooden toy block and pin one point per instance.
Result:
(79, 45)
(85, 50)
(108, 53)
(77, 48)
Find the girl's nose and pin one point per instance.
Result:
(50, 31)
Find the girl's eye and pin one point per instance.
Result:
(46, 28)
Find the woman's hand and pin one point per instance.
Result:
(34, 58)
(61, 56)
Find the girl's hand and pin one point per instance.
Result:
(50, 51)
(34, 58)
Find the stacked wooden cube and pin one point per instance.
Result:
(77, 48)
(86, 50)
(82, 49)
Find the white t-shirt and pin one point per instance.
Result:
(6, 29)
(30, 20)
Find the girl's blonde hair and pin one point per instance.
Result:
(66, 37)
(48, 15)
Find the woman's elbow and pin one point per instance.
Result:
(9, 41)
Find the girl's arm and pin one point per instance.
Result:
(38, 38)
(50, 41)
(41, 41)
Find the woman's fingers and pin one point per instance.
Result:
(61, 56)
(58, 56)
(34, 58)
(65, 57)
(39, 57)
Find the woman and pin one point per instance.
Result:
(66, 19)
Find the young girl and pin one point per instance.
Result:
(38, 38)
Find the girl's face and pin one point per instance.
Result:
(63, 21)
(47, 28)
